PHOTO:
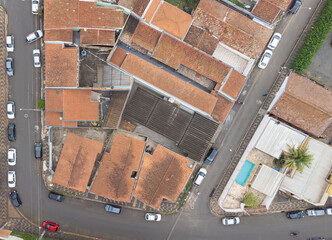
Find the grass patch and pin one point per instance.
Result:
(181, 3)
(240, 4)
(315, 39)
(27, 236)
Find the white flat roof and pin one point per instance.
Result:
(311, 184)
(276, 136)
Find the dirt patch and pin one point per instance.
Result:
(126, 125)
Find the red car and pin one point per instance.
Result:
(50, 226)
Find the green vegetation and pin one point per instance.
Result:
(181, 3)
(314, 40)
(40, 11)
(27, 236)
(279, 162)
(41, 103)
(297, 157)
(240, 4)
(251, 200)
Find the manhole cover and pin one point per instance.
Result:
(26, 115)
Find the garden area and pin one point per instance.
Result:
(185, 5)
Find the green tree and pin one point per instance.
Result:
(251, 200)
(41, 103)
(297, 157)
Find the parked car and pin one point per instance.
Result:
(265, 59)
(153, 217)
(35, 6)
(313, 212)
(296, 6)
(11, 179)
(274, 41)
(11, 132)
(231, 220)
(50, 226)
(10, 66)
(56, 196)
(11, 110)
(38, 150)
(11, 156)
(14, 197)
(317, 238)
(112, 209)
(329, 211)
(34, 36)
(295, 214)
(36, 58)
(200, 176)
(210, 156)
(10, 43)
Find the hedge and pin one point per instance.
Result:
(314, 40)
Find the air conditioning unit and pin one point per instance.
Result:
(171, 100)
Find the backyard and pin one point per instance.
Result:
(182, 3)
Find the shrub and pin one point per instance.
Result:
(40, 11)
(41, 103)
(314, 40)
(279, 162)
(251, 200)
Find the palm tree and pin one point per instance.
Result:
(297, 157)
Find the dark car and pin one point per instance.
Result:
(317, 238)
(56, 196)
(211, 156)
(296, 6)
(15, 198)
(50, 226)
(11, 132)
(295, 214)
(112, 209)
(38, 150)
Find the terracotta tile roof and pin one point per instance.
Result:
(60, 66)
(151, 10)
(267, 11)
(202, 39)
(222, 108)
(163, 175)
(118, 56)
(76, 162)
(60, 14)
(93, 36)
(172, 20)
(137, 7)
(194, 35)
(54, 119)
(54, 100)
(69, 123)
(173, 52)
(65, 35)
(310, 112)
(146, 37)
(113, 179)
(169, 83)
(234, 84)
(77, 106)
(232, 28)
(281, 3)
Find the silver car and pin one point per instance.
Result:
(11, 156)
(265, 59)
(11, 110)
(10, 66)
(34, 36)
(10, 43)
(11, 179)
(36, 58)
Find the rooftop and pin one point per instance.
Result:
(54, 100)
(151, 10)
(63, 35)
(54, 119)
(101, 37)
(137, 7)
(266, 11)
(76, 162)
(146, 36)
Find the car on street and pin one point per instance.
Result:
(274, 41)
(36, 58)
(265, 59)
(35, 6)
(231, 220)
(329, 211)
(38, 150)
(14, 197)
(31, 37)
(295, 6)
(50, 226)
(11, 110)
(112, 209)
(10, 43)
(200, 176)
(295, 214)
(10, 66)
(316, 238)
(11, 132)
(156, 217)
(11, 179)
(11, 156)
(56, 196)
(211, 156)
(313, 212)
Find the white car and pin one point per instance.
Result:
(10, 43)
(35, 6)
(274, 41)
(200, 176)
(231, 221)
(11, 179)
(329, 211)
(11, 156)
(266, 57)
(11, 110)
(153, 217)
(36, 58)
(34, 36)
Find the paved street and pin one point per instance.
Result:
(194, 220)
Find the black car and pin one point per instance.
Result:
(296, 6)
(11, 132)
(15, 198)
(56, 196)
(38, 150)
(295, 214)
(210, 156)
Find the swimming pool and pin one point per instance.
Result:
(244, 174)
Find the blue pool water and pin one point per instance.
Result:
(244, 173)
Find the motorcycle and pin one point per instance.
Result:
(295, 234)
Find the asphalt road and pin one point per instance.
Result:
(192, 221)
